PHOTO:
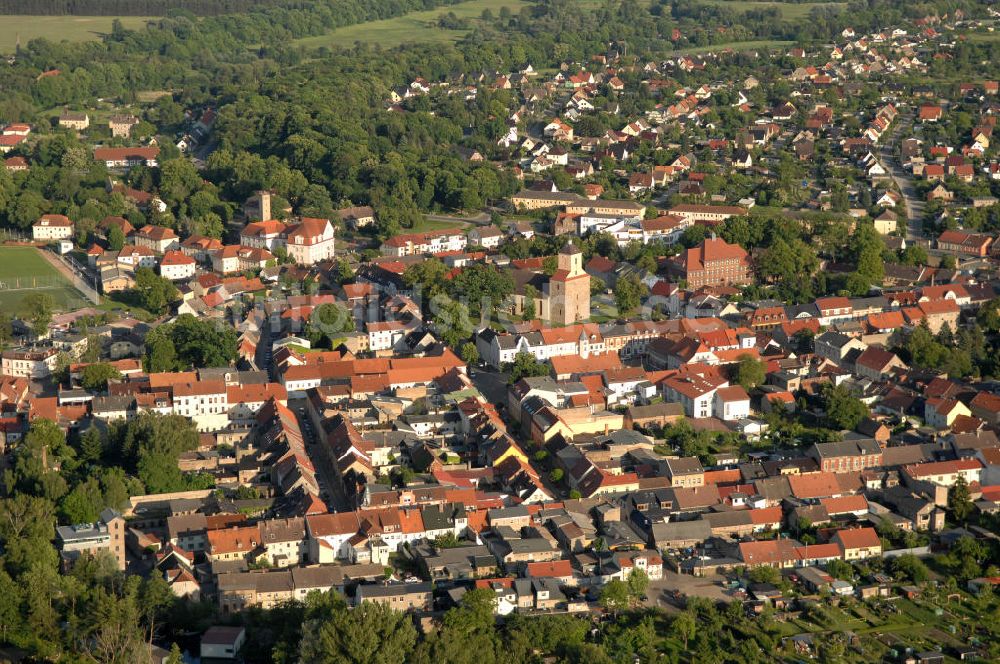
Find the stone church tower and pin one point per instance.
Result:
(569, 289)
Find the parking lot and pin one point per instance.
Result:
(661, 593)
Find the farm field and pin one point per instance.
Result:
(58, 28)
(417, 27)
(23, 270)
(789, 10)
(763, 44)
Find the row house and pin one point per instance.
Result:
(155, 238)
(847, 456)
(961, 242)
(124, 158)
(268, 589)
(430, 242)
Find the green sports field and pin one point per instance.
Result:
(23, 270)
(58, 28)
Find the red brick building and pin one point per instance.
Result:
(714, 262)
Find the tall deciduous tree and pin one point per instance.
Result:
(371, 633)
(749, 372)
(36, 310)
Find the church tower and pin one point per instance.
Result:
(569, 288)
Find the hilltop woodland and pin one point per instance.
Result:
(311, 126)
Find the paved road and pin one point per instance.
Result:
(912, 202)
(76, 275)
(492, 384)
(326, 476)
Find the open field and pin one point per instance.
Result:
(417, 27)
(983, 36)
(440, 224)
(58, 28)
(789, 10)
(762, 44)
(23, 270)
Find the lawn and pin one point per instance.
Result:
(23, 270)
(789, 10)
(58, 28)
(416, 27)
(426, 224)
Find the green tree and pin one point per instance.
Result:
(629, 292)
(989, 315)
(10, 606)
(176, 657)
(637, 582)
(764, 574)
(451, 320)
(155, 293)
(96, 376)
(684, 627)
(750, 372)
(526, 365)
(328, 323)
(840, 569)
(151, 443)
(530, 295)
(36, 310)
(910, 567)
(469, 353)
(615, 596)
(91, 445)
(428, 277)
(960, 500)
(161, 354)
(483, 286)
(6, 329)
(192, 342)
(371, 633)
(83, 504)
(116, 238)
(843, 409)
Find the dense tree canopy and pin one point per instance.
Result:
(188, 342)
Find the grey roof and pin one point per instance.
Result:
(517, 511)
(393, 589)
(698, 529)
(684, 466)
(855, 447)
(835, 339)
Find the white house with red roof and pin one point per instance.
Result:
(311, 241)
(731, 403)
(157, 238)
(177, 266)
(52, 227)
(268, 234)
